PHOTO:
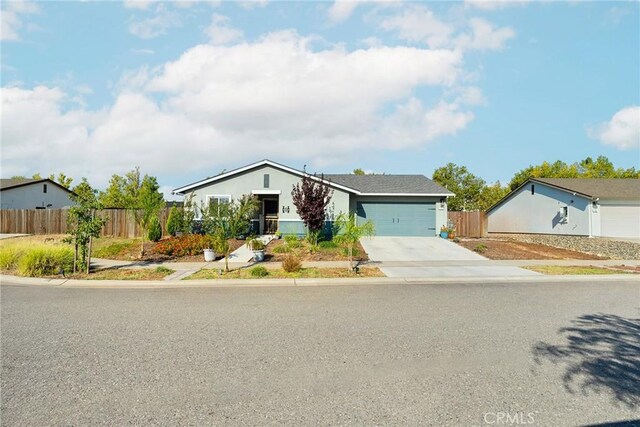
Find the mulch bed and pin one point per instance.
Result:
(320, 255)
(503, 249)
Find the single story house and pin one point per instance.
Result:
(398, 205)
(33, 194)
(572, 206)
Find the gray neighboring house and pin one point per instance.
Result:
(33, 194)
(398, 205)
(573, 206)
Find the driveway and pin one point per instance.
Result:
(431, 256)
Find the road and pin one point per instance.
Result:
(489, 354)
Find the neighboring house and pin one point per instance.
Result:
(33, 194)
(576, 206)
(398, 205)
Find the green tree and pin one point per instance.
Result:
(62, 179)
(146, 205)
(122, 191)
(358, 171)
(491, 194)
(175, 220)
(347, 233)
(466, 186)
(83, 224)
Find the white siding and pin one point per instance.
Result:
(539, 213)
(31, 196)
(620, 218)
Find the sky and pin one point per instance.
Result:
(187, 89)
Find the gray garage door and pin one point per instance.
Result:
(399, 219)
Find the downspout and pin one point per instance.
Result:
(590, 208)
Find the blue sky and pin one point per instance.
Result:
(186, 89)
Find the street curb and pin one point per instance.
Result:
(6, 280)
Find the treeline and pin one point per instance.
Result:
(473, 193)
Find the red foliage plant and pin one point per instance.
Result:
(188, 244)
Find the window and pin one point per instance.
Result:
(266, 180)
(217, 201)
(44, 188)
(533, 190)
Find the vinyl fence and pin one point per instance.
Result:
(469, 224)
(120, 222)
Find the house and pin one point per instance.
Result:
(573, 206)
(398, 205)
(33, 194)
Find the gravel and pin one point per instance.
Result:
(602, 247)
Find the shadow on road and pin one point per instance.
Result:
(601, 353)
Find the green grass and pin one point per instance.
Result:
(573, 269)
(158, 273)
(36, 259)
(281, 274)
(115, 248)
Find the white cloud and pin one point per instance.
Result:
(156, 25)
(137, 4)
(622, 131)
(252, 4)
(232, 104)
(494, 4)
(220, 32)
(11, 17)
(341, 10)
(470, 95)
(419, 24)
(484, 36)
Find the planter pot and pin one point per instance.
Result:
(209, 255)
(452, 236)
(258, 256)
(444, 234)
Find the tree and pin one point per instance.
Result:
(348, 232)
(122, 191)
(358, 171)
(175, 221)
(311, 198)
(491, 194)
(466, 186)
(62, 179)
(146, 205)
(84, 224)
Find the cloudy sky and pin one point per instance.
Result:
(187, 89)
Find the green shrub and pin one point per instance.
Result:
(282, 249)
(9, 257)
(291, 264)
(258, 271)
(327, 244)
(45, 261)
(355, 252)
(292, 241)
(163, 269)
(480, 248)
(175, 221)
(155, 230)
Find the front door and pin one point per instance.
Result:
(270, 211)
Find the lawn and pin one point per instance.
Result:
(245, 273)
(574, 269)
(158, 273)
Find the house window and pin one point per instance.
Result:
(217, 201)
(266, 180)
(44, 188)
(533, 189)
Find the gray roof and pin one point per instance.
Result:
(389, 184)
(11, 182)
(602, 188)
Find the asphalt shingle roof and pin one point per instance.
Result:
(388, 184)
(10, 182)
(603, 188)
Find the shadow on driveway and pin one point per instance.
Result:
(601, 353)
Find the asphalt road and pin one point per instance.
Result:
(488, 354)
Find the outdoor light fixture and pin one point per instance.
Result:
(285, 209)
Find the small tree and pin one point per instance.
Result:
(311, 198)
(175, 221)
(147, 206)
(348, 232)
(155, 229)
(83, 224)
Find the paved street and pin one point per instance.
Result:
(332, 355)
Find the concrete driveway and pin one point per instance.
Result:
(432, 256)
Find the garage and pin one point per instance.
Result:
(399, 219)
(620, 220)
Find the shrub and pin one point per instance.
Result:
(155, 229)
(9, 257)
(291, 264)
(163, 269)
(282, 249)
(327, 244)
(188, 244)
(258, 271)
(292, 241)
(175, 221)
(45, 261)
(354, 253)
(255, 244)
(480, 248)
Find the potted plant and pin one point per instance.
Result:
(256, 246)
(278, 234)
(444, 232)
(209, 255)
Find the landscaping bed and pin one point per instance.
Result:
(503, 248)
(278, 273)
(276, 250)
(158, 273)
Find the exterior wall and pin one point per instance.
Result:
(253, 180)
(32, 195)
(619, 218)
(540, 212)
(441, 208)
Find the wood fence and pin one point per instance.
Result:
(120, 222)
(469, 224)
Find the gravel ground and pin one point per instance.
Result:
(608, 248)
(442, 355)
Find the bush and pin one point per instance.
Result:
(45, 261)
(155, 230)
(291, 264)
(480, 248)
(282, 249)
(355, 252)
(258, 271)
(175, 221)
(189, 244)
(292, 241)
(327, 244)
(163, 269)
(9, 257)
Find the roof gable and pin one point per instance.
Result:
(6, 184)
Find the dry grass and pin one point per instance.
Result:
(325, 273)
(574, 269)
(126, 274)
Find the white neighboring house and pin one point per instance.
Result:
(33, 194)
(572, 206)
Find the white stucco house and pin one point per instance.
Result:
(572, 206)
(398, 205)
(33, 194)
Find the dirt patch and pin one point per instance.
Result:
(504, 249)
(306, 253)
